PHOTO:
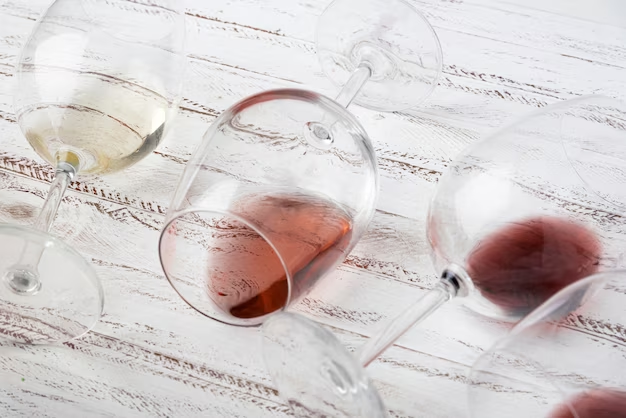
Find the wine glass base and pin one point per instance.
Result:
(392, 39)
(22, 280)
(314, 373)
(57, 300)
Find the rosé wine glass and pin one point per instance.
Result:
(285, 182)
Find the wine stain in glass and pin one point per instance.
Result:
(523, 264)
(311, 235)
(599, 403)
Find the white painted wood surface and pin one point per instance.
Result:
(152, 355)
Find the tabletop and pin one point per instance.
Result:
(153, 356)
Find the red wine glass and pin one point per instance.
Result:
(564, 360)
(517, 217)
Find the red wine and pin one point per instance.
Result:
(603, 403)
(523, 264)
(311, 235)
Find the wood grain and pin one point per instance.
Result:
(152, 355)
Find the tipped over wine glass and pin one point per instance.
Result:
(285, 182)
(517, 217)
(97, 85)
(564, 360)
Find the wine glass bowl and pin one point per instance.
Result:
(514, 212)
(388, 37)
(565, 360)
(98, 84)
(93, 97)
(265, 207)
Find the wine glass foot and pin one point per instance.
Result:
(22, 280)
(58, 300)
(383, 63)
(314, 373)
(392, 39)
(319, 135)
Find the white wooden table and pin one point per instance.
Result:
(153, 356)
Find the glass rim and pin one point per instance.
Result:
(241, 322)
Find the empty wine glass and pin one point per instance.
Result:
(97, 85)
(564, 360)
(285, 181)
(517, 217)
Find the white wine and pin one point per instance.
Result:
(105, 123)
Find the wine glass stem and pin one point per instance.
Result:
(64, 174)
(358, 78)
(417, 312)
(23, 277)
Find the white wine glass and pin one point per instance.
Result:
(98, 83)
(517, 217)
(564, 360)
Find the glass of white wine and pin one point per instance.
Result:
(97, 85)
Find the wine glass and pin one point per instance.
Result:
(517, 217)
(285, 181)
(97, 85)
(264, 209)
(564, 360)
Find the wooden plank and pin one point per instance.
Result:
(151, 355)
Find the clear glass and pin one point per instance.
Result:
(336, 374)
(265, 207)
(46, 314)
(98, 82)
(565, 360)
(534, 207)
(97, 86)
(388, 37)
(285, 182)
(516, 218)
